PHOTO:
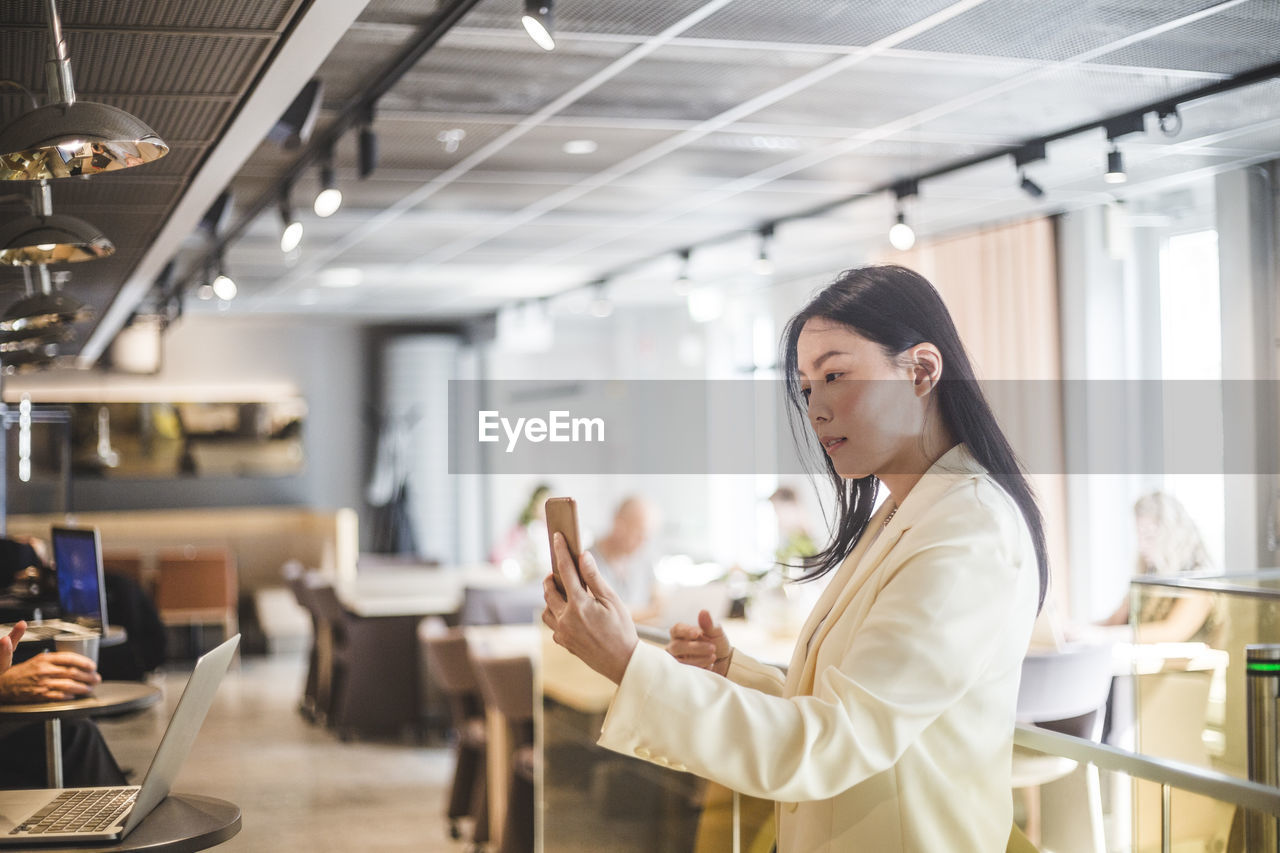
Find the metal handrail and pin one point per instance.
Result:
(1174, 774)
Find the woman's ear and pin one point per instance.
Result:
(926, 367)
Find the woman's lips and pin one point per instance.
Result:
(832, 444)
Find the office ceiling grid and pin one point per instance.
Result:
(689, 164)
(181, 66)
(736, 115)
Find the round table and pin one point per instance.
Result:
(182, 823)
(109, 697)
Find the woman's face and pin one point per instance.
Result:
(862, 405)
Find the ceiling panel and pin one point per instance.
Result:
(1061, 98)
(1228, 42)
(186, 14)
(1048, 30)
(813, 21)
(693, 83)
(882, 89)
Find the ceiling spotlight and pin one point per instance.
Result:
(46, 238)
(684, 282)
(601, 305)
(580, 146)
(1170, 120)
(67, 137)
(1030, 187)
(224, 288)
(1115, 167)
(292, 234)
(764, 264)
(368, 151)
(539, 23)
(901, 235)
(329, 199)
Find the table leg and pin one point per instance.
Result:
(498, 772)
(53, 751)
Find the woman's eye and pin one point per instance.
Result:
(804, 392)
(832, 377)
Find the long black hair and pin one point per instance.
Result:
(897, 308)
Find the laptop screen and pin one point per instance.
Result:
(77, 560)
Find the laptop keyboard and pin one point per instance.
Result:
(79, 810)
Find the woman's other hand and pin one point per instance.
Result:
(588, 618)
(704, 646)
(49, 677)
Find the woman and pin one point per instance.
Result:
(1169, 544)
(892, 729)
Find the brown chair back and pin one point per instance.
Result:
(195, 580)
(448, 663)
(507, 685)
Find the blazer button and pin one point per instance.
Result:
(642, 752)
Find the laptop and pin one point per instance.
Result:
(82, 595)
(44, 815)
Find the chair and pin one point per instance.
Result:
(446, 662)
(130, 564)
(300, 583)
(507, 687)
(501, 605)
(1065, 691)
(196, 587)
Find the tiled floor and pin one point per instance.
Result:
(301, 790)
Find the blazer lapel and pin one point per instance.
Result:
(862, 562)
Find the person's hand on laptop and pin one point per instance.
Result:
(49, 677)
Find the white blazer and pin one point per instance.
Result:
(893, 728)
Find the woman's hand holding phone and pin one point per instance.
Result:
(587, 617)
(704, 645)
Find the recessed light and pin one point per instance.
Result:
(342, 277)
(580, 146)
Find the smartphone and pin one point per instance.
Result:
(562, 518)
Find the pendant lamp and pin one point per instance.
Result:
(48, 238)
(66, 137)
(43, 310)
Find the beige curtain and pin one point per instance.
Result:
(1001, 285)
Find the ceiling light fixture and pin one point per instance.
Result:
(580, 146)
(1032, 152)
(44, 309)
(1115, 167)
(291, 236)
(764, 264)
(368, 144)
(539, 23)
(1170, 120)
(1030, 187)
(684, 283)
(601, 305)
(46, 238)
(329, 199)
(67, 137)
(223, 286)
(901, 235)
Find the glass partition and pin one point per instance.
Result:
(1186, 671)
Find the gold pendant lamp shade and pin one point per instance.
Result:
(51, 239)
(68, 140)
(41, 311)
